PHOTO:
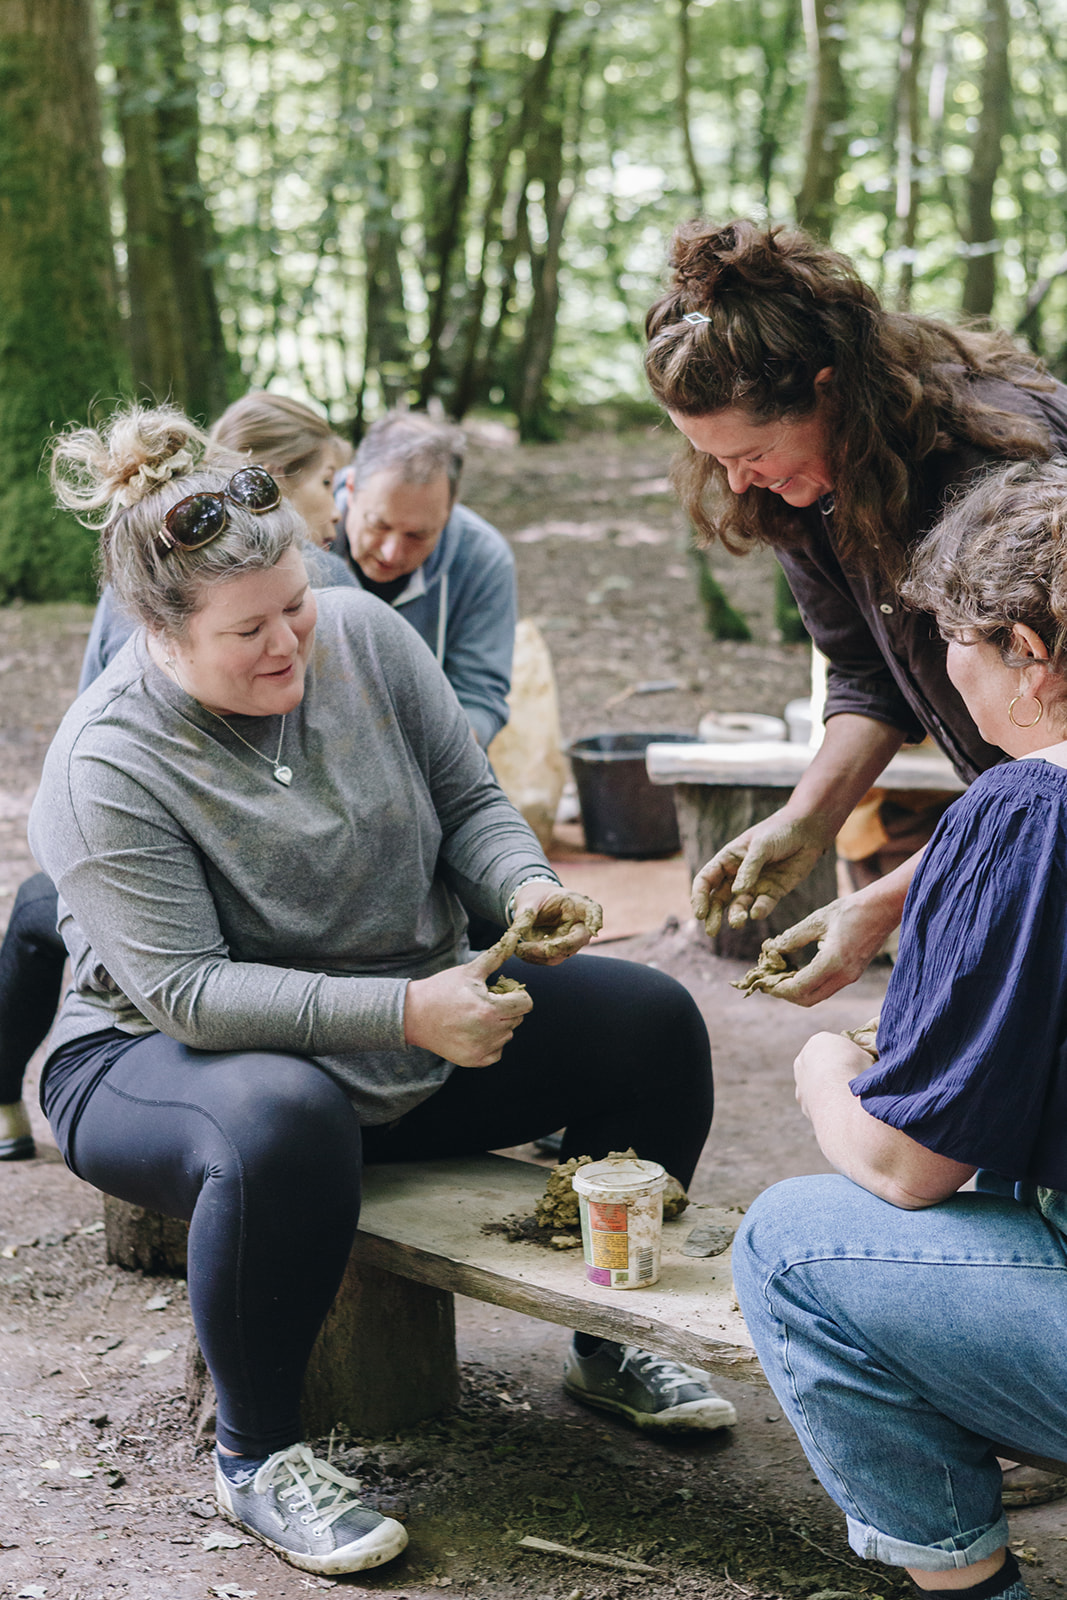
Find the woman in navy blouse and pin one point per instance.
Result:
(912, 1332)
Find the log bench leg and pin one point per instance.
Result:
(385, 1357)
(143, 1240)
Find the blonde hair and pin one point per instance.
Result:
(280, 434)
(123, 479)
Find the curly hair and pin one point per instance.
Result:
(775, 308)
(123, 479)
(998, 556)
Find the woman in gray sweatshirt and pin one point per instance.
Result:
(267, 822)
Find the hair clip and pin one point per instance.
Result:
(695, 318)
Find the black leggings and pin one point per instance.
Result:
(31, 972)
(262, 1153)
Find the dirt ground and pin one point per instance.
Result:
(102, 1491)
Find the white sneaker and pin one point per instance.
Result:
(16, 1140)
(310, 1513)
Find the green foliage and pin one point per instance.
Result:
(722, 620)
(787, 618)
(463, 132)
(469, 201)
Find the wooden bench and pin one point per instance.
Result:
(386, 1355)
(722, 789)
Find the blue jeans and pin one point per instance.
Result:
(902, 1346)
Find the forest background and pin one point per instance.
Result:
(466, 203)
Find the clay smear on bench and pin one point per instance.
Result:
(555, 1224)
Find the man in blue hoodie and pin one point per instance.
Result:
(443, 568)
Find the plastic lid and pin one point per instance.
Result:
(624, 1173)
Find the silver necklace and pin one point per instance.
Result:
(282, 775)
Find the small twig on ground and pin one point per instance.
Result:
(829, 1554)
(738, 1586)
(590, 1557)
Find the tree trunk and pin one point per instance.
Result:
(479, 347)
(175, 331)
(444, 234)
(906, 208)
(685, 50)
(776, 93)
(60, 343)
(980, 282)
(559, 182)
(824, 117)
(387, 345)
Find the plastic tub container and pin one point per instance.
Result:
(623, 812)
(621, 1205)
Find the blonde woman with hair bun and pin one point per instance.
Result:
(268, 823)
(296, 446)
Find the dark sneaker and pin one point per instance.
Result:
(16, 1140)
(650, 1391)
(310, 1513)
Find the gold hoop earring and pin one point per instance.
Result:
(1014, 720)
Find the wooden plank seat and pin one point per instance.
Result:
(386, 1355)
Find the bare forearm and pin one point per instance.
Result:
(880, 1158)
(854, 752)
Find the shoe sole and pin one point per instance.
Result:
(374, 1549)
(20, 1149)
(696, 1416)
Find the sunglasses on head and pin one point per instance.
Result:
(199, 518)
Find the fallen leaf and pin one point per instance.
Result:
(152, 1357)
(222, 1541)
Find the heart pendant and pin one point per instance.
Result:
(283, 775)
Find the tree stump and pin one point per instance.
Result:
(143, 1240)
(709, 816)
(385, 1357)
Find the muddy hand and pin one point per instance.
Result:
(455, 1015)
(866, 1037)
(551, 924)
(753, 872)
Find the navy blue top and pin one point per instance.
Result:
(973, 1035)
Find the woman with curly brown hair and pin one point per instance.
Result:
(835, 431)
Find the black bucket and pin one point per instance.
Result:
(623, 812)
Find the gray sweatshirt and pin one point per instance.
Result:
(200, 898)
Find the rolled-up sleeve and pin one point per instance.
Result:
(859, 679)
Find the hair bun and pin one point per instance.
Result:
(139, 449)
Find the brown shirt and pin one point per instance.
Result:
(888, 663)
